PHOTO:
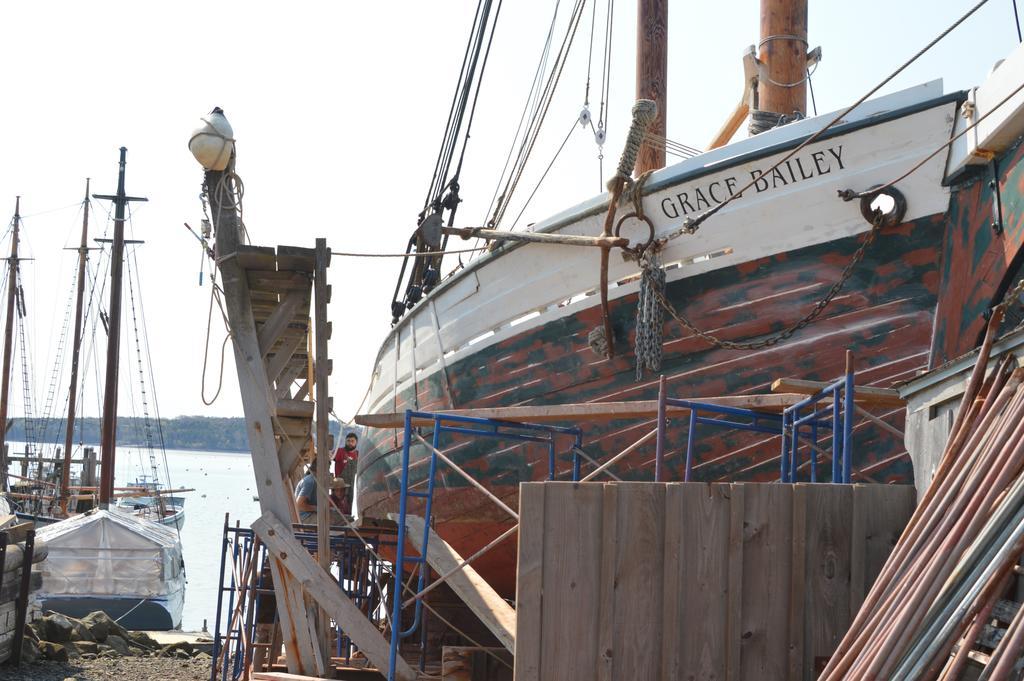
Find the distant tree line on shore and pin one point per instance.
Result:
(218, 434)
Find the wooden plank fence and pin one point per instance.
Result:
(660, 581)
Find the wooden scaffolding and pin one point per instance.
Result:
(267, 298)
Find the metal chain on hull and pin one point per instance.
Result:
(785, 334)
(650, 314)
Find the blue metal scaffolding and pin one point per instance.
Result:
(460, 425)
(356, 565)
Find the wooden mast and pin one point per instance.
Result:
(108, 432)
(83, 253)
(652, 75)
(782, 86)
(5, 385)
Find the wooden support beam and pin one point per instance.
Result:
(323, 452)
(587, 411)
(867, 395)
(281, 355)
(328, 594)
(497, 615)
(280, 318)
(275, 498)
(277, 282)
(301, 409)
(255, 257)
(537, 237)
(296, 258)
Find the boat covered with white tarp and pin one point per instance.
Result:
(131, 569)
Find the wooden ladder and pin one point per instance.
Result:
(267, 296)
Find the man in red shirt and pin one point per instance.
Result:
(345, 461)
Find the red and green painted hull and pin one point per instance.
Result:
(884, 315)
(916, 299)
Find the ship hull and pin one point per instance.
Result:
(884, 316)
(769, 263)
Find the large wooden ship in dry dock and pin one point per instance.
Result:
(513, 326)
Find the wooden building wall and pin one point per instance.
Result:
(659, 581)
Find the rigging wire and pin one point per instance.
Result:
(1016, 21)
(691, 225)
(533, 93)
(558, 153)
(535, 128)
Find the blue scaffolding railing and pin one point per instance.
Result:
(837, 416)
(355, 564)
(442, 424)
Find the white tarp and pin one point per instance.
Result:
(102, 553)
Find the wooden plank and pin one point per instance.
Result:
(572, 576)
(301, 409)
(734, 595)
(279, 319)
(889, 511)
(588, 411)
(606, 641)
(828, 578)
(869, 395)
(277, 282)
(296, 428)
(798, 572)
(673, 617)
(296, 258)
(325, 591)
(701, 515)
(640, 558)
(323, 451)
(254, 257)
(861, 499)
(767, 553)
(497, 615)
(529, 582)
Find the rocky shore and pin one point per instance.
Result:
(98, 648)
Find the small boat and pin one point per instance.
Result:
(130, 568)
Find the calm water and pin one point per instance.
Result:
(223, 483)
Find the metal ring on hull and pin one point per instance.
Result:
(884, 218)
(639, 248)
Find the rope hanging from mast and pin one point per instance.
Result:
(443, 193)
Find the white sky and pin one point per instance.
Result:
(338, 109)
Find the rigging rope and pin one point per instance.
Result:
(545, 174)
(849, 195)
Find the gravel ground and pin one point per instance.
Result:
(111, 669)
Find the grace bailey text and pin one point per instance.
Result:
(796, 169)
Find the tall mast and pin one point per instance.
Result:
(83, 253)
(108, 433)
(782, 86)
(652, 75)
(5, 385)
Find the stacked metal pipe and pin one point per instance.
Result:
(956, 556)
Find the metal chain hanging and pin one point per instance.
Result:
(879, 220)
(650, 315)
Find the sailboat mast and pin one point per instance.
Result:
(5, 384)
(83, 252)
(782, 87)
(108, 433)
(652, 76)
